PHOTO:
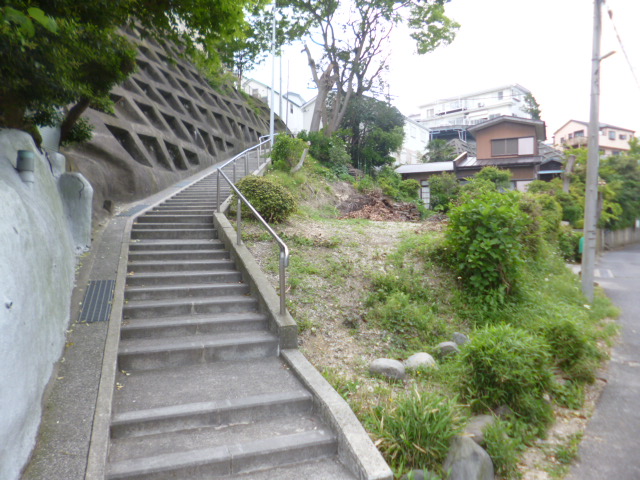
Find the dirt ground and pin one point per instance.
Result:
(328, 303)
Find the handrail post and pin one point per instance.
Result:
(239, 222)
(283, 306)
(218, 192)
(246, 163)
(234, 172)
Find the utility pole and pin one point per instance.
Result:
(272, 117)
(591, 193)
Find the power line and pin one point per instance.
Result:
(624, 50)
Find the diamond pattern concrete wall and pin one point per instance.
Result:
(168, 123)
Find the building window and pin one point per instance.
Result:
(623, 136)
(500, 95)
(612, 135)
(570, 136)
(562, 140)
(513, 146)
(430, 113)
(579, 133)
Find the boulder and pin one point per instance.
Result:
(460, 338)
(419, 360)
(468, 461)
(475, 427)
(387, 367)
(447, 348)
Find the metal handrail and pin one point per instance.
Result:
(284, 250)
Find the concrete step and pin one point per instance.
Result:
(178, 326)
(205, 382)
(211, 414)
(172, 225)
(185, 291)
(186, 210)
(175, 244)
(181, 265)
(173, 233)
(152, 354)
(189, 306)
(162, 255)
(157, 218)
(228, 459)
(328, 468)
(181, 278)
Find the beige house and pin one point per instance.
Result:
(506, 142)
(575, 134)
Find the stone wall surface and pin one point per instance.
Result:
(37, 261)
(168, 124)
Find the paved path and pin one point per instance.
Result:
(611, 445)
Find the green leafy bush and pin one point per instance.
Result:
(329, 151)
(416, 430)
(499, 177)
(444, 189)
(485, 237)
(271, 201)
(287, 151)
(504, 445)
(573, 349)
(569, 243)
(504, 365)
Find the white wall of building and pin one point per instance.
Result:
(289, 106)
(475, 108)
(416, 139)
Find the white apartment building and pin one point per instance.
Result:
(290, 107)
(416, 139)
(474, 108)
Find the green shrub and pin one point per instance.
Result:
(287, 151)
(273, 202)
(329, 151)
(572, 348)
(504, 446)
(485, 237)
(569, 243)
(499, 177)
(504, 365)
(444, 189)
(415, 431)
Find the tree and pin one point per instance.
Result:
(499, 177)
(46, 69)
(373, 130)
(353, 36)
(531, 106)
(439, 150)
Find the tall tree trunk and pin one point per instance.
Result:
(72, 117)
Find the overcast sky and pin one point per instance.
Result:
(543, 45)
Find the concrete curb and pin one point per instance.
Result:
(355, 448)
(284, 326)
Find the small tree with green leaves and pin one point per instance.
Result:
(439, 150)
(444, 189)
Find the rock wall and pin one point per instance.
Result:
(37, 261)
(168, 124)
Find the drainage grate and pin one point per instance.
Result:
(132, 211)
(97, 301)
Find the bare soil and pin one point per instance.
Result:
(328, 303)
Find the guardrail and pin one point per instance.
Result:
(284, 250)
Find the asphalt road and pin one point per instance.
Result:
(610, 448)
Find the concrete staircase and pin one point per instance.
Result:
(202, 391)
